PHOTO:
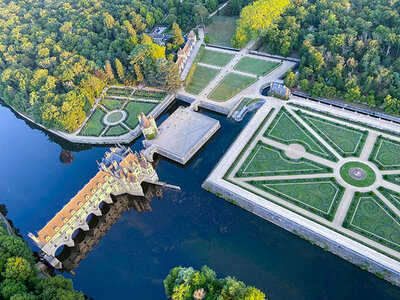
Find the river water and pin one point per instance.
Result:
(188, 228)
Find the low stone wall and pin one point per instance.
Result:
(292, 59)
(129, 137)
(349, 107)
(223, 47)
(328, 244)
(213, 107)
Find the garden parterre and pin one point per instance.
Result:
(116, 113)
(320, 181)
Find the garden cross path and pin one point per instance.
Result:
(238, 188)
(252, 91)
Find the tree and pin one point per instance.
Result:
(200, 13)
(109, 70)
(187, 283)
(177, 35)
(120, 70)
(291, 79)
(17, 268)
(257, 17)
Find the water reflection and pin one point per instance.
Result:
(66, 157)
(84, 241)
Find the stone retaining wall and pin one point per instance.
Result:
(328, 244)
(292, 59)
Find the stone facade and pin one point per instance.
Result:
(148, 126)
(184, 53)
(120, 172)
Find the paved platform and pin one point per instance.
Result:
(181, 135)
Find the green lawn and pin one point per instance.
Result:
(201, 77)
(230, 86)
(347, 141)
(256, 66)
(216, 58)
(287, 130)
(94, 126)
(221, 30)
(367, 181)
(116, 130)
(112, 104)
(371, 217)
(320, 196)
(386, 154)
(135, 108)
(265, 160)
(114, 117)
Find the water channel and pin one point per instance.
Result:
(188, 228)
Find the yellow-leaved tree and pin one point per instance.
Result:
(255, 17)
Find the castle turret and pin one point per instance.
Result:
(148, 126)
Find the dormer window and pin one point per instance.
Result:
(72, 211)
(86, 197)
(64, 219)
(47, 238)
(56, 228)
(80, 203)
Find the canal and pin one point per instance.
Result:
(188, 228)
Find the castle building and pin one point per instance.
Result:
(120, 172)
(280, 91)
(184, 53)
(148, 126)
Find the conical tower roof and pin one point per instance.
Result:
(144, 121)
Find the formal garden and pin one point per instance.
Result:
(116, 114)
(340, 173)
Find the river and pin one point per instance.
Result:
(188, 228)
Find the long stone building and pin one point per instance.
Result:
(121, 172)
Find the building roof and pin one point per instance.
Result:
(144, 121)
(52, 227)
(191, 35)
(116, 162)
(279, 89)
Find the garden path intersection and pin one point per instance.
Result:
(323, 171)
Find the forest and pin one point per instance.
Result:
(348, 49)
(57, 56)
